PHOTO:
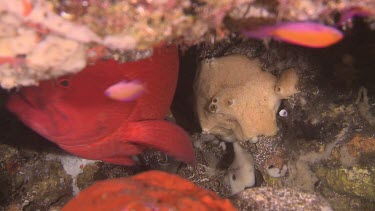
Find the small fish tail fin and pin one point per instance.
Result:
(260, 32)
(161, 135)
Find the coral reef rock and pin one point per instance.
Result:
(267, 198)
(356, 181)
(32, 181)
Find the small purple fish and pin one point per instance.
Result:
(307, 34)
(125, 90)
(350, 12)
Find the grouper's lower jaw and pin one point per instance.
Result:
(38, 120)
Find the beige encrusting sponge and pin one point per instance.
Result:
(236, 99)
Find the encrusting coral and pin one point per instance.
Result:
(152, 190)
(123, 27)
(115, 27)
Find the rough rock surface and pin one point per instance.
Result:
(267, 198)
(31, 181)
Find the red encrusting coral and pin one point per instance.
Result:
(152, 190)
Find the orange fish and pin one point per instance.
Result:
(152, 190)
(307, 34)
(75, 113)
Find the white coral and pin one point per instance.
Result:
(56, 55)
(50, 58)
(42, 13)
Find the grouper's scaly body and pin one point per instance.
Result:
(75, 113)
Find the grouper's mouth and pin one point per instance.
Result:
(25, 100)
(45, 120)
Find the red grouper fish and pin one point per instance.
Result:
(75, 113)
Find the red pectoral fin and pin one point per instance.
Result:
(161, 135)
(109, 150)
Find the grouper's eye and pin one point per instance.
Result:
(64, 83)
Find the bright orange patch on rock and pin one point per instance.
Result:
(152, 190)
(359, 145)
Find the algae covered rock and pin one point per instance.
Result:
(356, 181)
(48, 183)
(86, 178)
(30, 182)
